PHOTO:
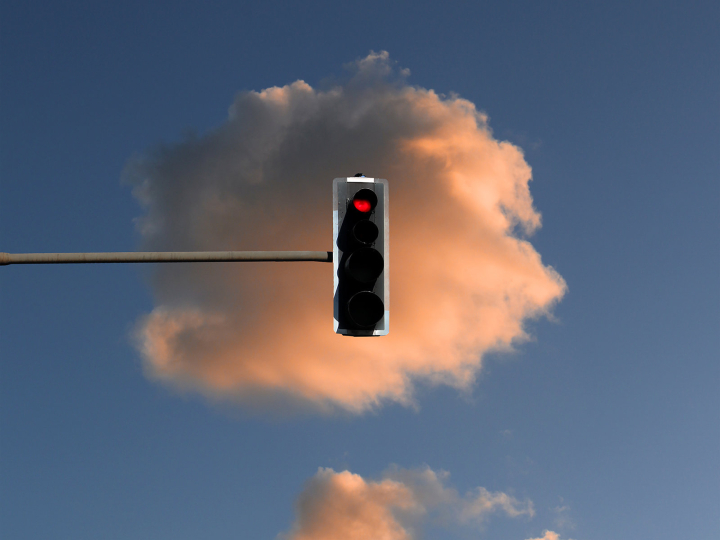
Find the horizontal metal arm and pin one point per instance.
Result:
(168, 256)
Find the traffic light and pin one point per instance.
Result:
(360, 256)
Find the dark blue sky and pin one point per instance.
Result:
(612, 410)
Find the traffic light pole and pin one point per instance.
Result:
(168, 256)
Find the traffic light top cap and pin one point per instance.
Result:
(365, 200)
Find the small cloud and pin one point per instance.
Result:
(548, 535)
(344, 505)
(562, 519)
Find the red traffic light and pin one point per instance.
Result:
(365, 200)
(362, 205)
(360, 255)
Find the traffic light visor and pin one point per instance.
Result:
(365, 232)
(364, 265)
(365, 309)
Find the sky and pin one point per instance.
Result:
(551, 370)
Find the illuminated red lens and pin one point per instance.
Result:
(362, 205)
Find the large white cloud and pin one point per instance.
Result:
(463, 278)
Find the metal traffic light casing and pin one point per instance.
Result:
(361, 256)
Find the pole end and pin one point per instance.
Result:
(4, 259)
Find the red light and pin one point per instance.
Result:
(362, 205)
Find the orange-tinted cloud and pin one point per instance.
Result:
(547, 535)
(342, 505)
(463, 277)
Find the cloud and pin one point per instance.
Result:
(547, 535)
(342, 505)
(563, 519)
(464, 279)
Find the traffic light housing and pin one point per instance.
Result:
(361, 256)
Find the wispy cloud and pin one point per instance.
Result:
(337, 505)
(464, 279)
(562, 516)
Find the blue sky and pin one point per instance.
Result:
(611, 411)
